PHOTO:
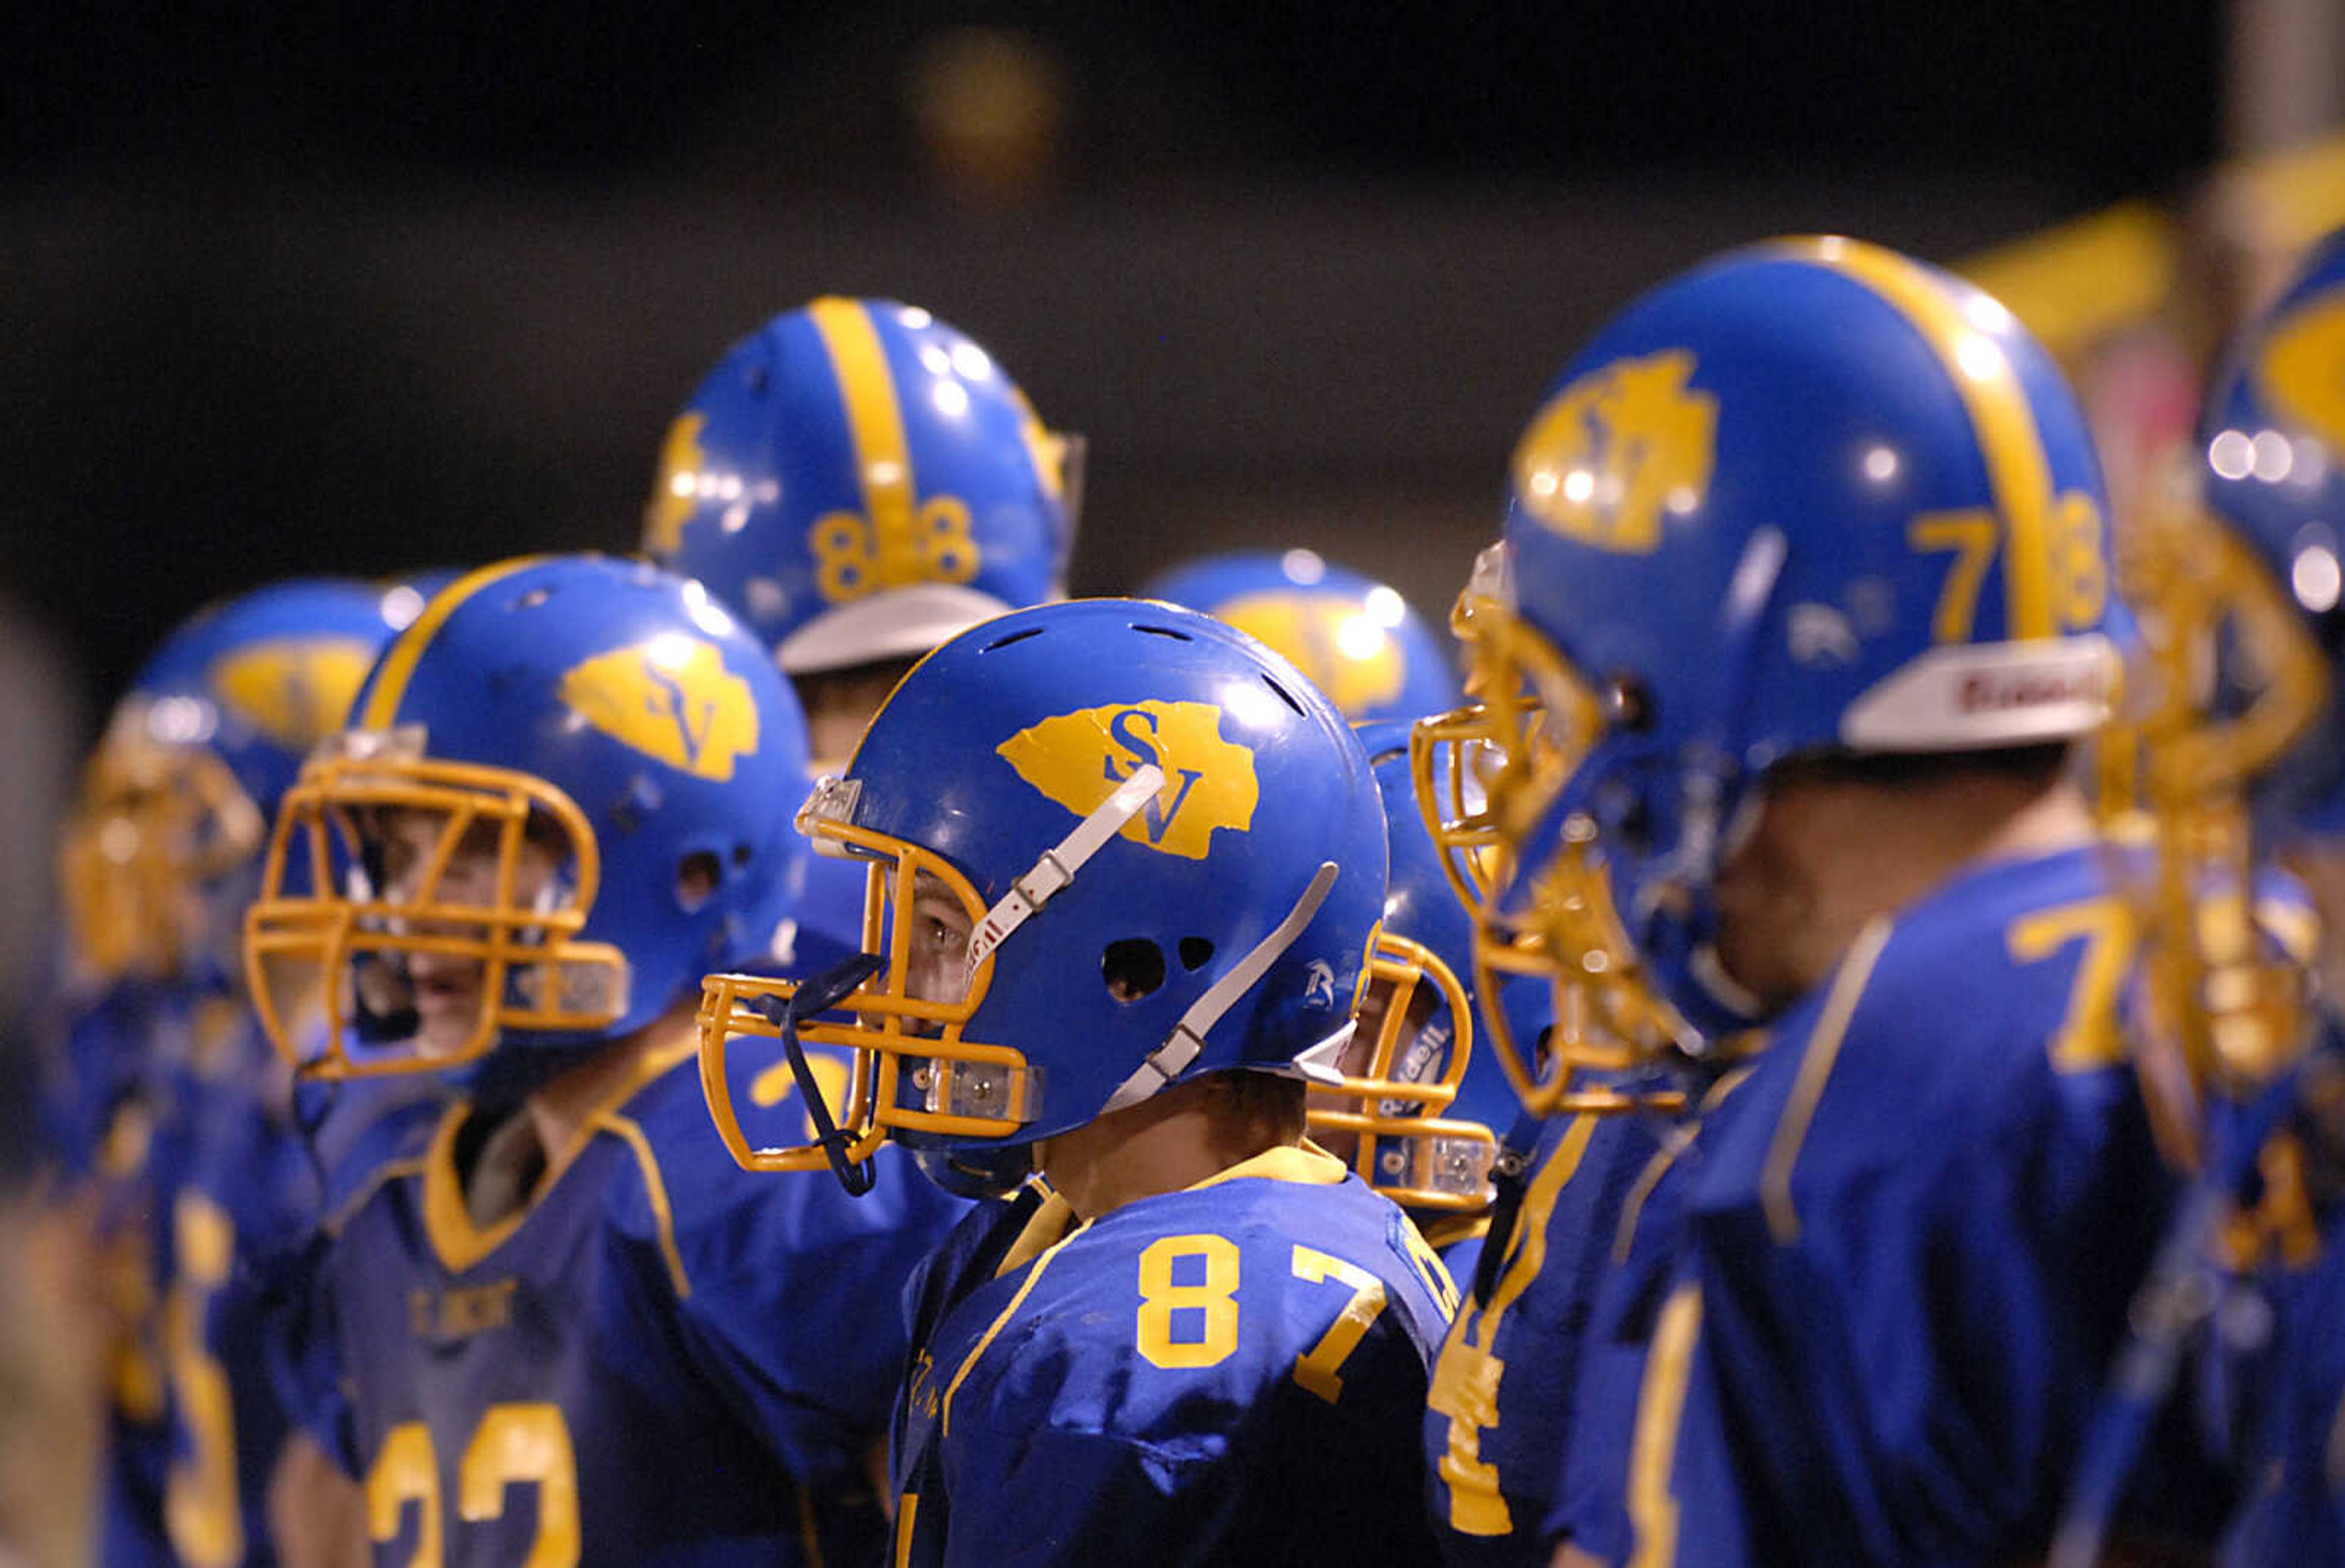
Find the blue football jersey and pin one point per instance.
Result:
(1909, 1248)
(1231, 1373)
(1590, 1475)
(1503, 1387)
(2295, 1513)
(253, 1192)
(158, 1047)
(1457, 1241)
(659, 1357)
(89, 1065)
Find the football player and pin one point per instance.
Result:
(1576, 1174)
(2246, 584)
(157, 861)
(1125, 864)
(1416, 1113)
(1357, 639)
(559, 1322)
(1807, 565)
(858, 481)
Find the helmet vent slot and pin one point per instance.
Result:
(1177, 636)
(1284, 695)
(1018, 636)
(1195, 953)
(1134, 969)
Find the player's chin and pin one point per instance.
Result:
(448, 1022)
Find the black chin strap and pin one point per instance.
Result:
(811, 998)
(1507, 1170)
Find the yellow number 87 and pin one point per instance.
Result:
(1212, 1291)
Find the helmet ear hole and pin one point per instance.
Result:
(696, 877)
(1134, 969)
(1195, 953)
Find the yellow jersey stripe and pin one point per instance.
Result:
(1465, 1376)
(1528, 1243)
(1660, 1410)
(1680, 1139)
(1808, 1089)
(1017, 1301)
(399, 664)
(2018, 472)
(908, 1510)
(655, 1193)
(874, 421)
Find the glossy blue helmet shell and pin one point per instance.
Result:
(859, 482)
(623, 704)
(2272, 445)
(1001, 742)
(1809, 496)
(1357, 639)
(175, 801)
(261, 677)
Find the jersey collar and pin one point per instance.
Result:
(458, 1243)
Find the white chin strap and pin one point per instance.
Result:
(1048, 877)
(1170, 1059)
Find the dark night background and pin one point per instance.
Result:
(355, 288)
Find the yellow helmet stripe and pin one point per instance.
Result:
(399, 664)
(883, 461)
(2002, 418)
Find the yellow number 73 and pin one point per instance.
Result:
(2065, 585)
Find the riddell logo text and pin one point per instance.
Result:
(1984, 693)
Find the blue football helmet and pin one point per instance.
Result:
(1423, 1097)
(1170, 851)
(159, 852)
(859, 482)
(1355, 637)
(2236, 744)
(563, 794)
(2273, 472)
(1810, 496)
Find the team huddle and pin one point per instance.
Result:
(1804, 1036)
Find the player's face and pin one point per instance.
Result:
(1776, 937)
(1359, 1055)
(447, 989)
(939, 955)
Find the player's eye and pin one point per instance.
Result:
(399, 863)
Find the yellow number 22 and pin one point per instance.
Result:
(514, 1445)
